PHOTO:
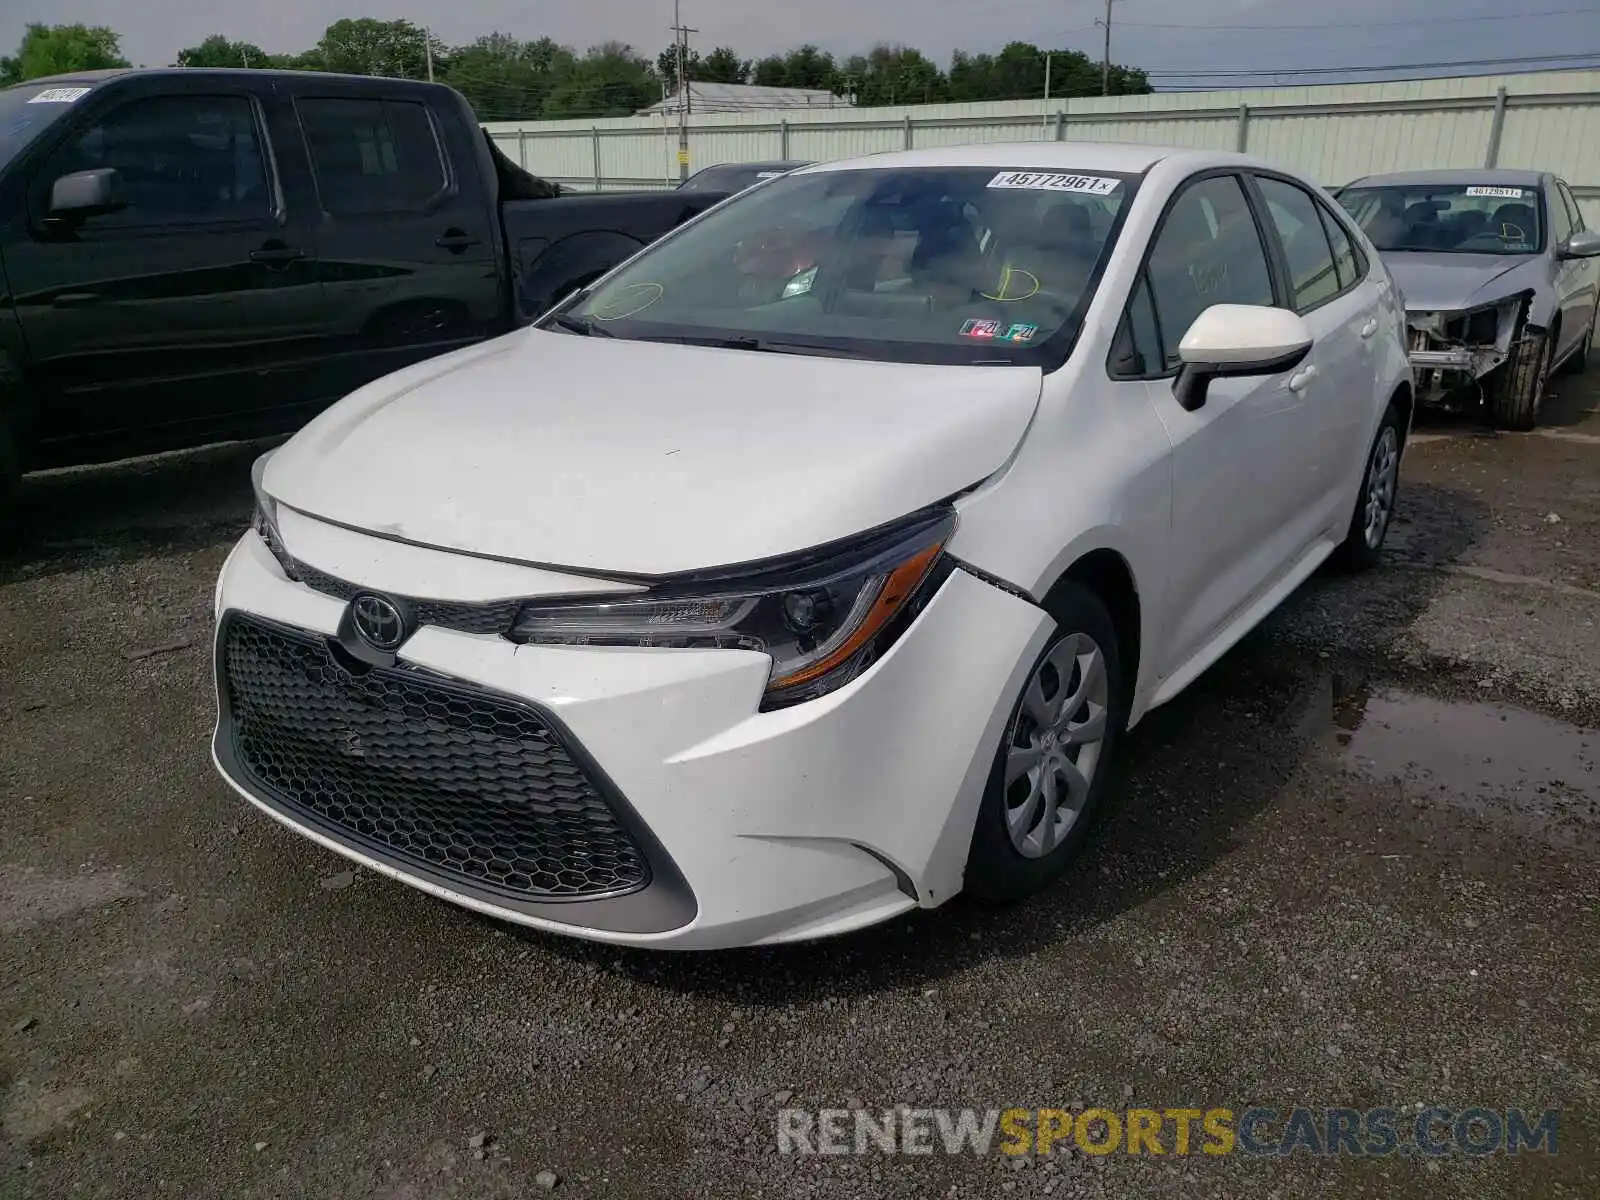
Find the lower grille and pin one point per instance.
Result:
(472, 786)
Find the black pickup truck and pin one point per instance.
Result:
(188, 256)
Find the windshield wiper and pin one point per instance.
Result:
(765, 346)
(580, 325)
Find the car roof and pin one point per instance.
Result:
(1122, 157)
(1469, 175)
(108, 73)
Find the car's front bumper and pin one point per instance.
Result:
(758, 827)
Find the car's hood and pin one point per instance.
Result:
(647, 458)
(1439, 282)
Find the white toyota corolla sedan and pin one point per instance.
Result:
(807, 568)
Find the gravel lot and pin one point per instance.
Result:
(1354, 865)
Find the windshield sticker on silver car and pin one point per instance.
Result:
(59, 95)
(1036, 181)
(1501, 193)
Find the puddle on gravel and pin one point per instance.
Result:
(1531, 772)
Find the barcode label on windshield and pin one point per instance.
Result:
(1500, 193)
(1035, 181)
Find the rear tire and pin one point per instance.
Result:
(1516, 393)
(1053, 763)
(1375, 505)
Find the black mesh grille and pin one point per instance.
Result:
(469, 784)
(492, 617)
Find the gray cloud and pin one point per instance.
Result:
(154, 30)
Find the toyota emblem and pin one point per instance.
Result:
(378, 621)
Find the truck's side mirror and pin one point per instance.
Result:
(85, 194)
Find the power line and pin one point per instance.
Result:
(1548, 12)
(1256, 72)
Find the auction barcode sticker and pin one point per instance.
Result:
(1036, 181)
(1502, 193)
(59, 95)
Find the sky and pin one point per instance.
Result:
(1158, 35)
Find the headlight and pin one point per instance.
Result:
(265, 519)
(822, 620)
(1426, 322)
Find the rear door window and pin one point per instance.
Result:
(373, 156)
(1313, 275)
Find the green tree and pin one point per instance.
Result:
(218, 51)
(805, 67)
(365, 46)
(723, 65)
(667, 66)
(893, 75)
(505, 78)
(59, 49)
(609, 81)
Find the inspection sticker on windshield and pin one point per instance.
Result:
(1036, 181)
(1501, 193)
(59, 95)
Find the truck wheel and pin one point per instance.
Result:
(1516, 393)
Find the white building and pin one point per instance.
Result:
(741, 97)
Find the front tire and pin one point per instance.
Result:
(1375, 505)
(1052, 765)
(1516, 393)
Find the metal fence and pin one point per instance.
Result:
(1335, 133)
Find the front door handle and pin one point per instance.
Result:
(455, 240)
(1370, 328)
(1300, 380)
(276, 254)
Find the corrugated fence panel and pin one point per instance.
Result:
(1564, 139)
(820, 143)
(1191, 133)
(1334, 132)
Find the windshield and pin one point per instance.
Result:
(1451, 218)
(28, 109)
(931, 264)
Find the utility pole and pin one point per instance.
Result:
(1105, 64)
(1044, 120)
(683, 32)
(427, 45)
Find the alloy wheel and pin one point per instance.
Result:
(1382, 477)
(1055, 744)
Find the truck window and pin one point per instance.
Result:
(373, 156)
(181, 159)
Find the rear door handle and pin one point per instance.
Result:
(1370, 328)
(276, 255)
(75, 299)
(1300, 380)
(454, 240)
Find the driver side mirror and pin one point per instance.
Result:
(1230, 341)
(84, 194)
(1583, 244)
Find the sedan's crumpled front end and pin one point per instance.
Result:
(1453, 350)
(643, 793)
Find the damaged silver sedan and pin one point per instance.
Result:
(1500, 280)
